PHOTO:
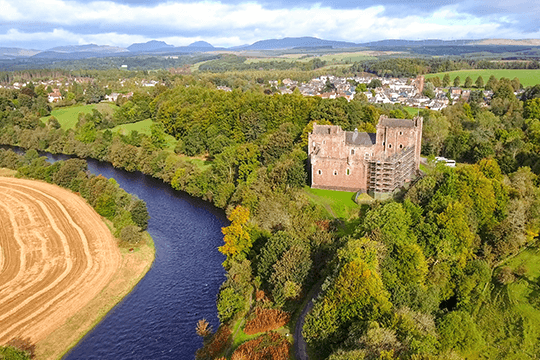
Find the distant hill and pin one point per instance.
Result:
(151, 45)
(91, 48)
(8, 52)
(507, 42)
(297, 42)
(427, 42)
(201, 45)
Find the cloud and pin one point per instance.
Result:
(232, 22)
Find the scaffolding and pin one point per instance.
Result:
(391, 173)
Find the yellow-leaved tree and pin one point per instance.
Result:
(236, 237)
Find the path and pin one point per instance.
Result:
(300, 346)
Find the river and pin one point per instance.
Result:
(157, 319)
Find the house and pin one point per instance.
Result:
(356, 161)
(55, 96)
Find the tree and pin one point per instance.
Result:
(458, 331)
(457, 81)
(375, 83)
(436, 81)
(203, 329)
(237, 239)
(429, 91)
(94, 93)
(139, 213)
(531, 110)
(131, 234)
(229, 303)
(492, 83)
(446, 80)
(516, 84)
(468, 82)
(158, 135)
(479, 82)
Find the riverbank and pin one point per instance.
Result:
(134, 266)
(131, 265)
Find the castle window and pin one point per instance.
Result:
(383, 143)
(401, 133)
(401, 146)
(329, 130)
(389, 146)
(348, 172)
(352, 151)
(319, 172)
(335, 172)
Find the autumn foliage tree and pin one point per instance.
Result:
(236, 236)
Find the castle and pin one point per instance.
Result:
(357, 161)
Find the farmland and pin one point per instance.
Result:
(329, 58)
(61, 267)
(526, 77)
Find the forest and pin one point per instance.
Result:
(429, 274)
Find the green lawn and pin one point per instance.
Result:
(68, 116)
(339, 204)
(526, 77)
(143, 127)
(411, 110)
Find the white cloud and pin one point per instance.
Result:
(106, 22)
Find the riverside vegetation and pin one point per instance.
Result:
(427, 275)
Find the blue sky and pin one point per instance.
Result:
(47, 23)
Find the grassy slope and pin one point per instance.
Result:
(526, 77)
(339, 204)
(68, 116)
(510, 321)
(143, 127)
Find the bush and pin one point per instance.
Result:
(229, 303)
(268, 347)
(131, 234)
(216, 345)
(266, 320)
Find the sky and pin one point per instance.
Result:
(43, 24)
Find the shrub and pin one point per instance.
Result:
(216, 345)
(203, 328)
(266, 320)
(131, 234)
(268, 347)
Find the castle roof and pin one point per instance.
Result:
(360, 138)
(396, 122)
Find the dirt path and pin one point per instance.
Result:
(56, 255)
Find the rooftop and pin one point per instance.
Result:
(384, 121)
(360, 138)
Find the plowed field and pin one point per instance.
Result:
(56, 255)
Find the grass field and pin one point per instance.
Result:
(143, 127)
(339, 204)
(526, 77)
(411, 110)
(330, 58)
(68, 116)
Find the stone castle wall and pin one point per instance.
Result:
(343, 160)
